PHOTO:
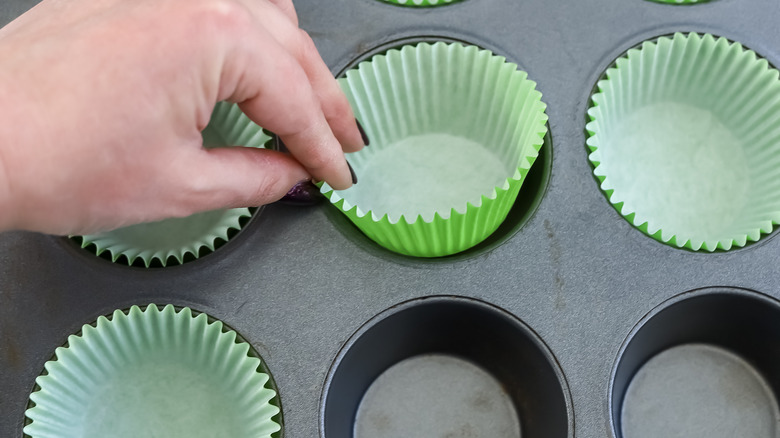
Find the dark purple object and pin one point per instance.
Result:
(303, 193)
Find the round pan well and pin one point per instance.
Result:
(457, 336)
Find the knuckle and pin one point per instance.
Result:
(287, 7)
(199, 185)
(302, 107)
(340, 109)
(225, 15)
(295, 79)
(266, 188)
(306, 45)
(318, 160)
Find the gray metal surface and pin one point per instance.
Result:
(699, 391)
(297, 283)
(438, 395)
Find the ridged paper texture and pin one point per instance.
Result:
(685, 140)
(454, 130)
(153, 373)
(177, 238)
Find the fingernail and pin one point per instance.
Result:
(303, 193)
(362, 133)
(280, 145)
(352, 172)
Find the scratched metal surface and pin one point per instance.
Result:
(297, 283)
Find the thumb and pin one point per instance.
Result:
(243, 177)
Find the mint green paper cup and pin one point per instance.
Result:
(153, 372)
(684, 140)
(174, 241)
(454, 131)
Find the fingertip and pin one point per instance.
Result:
(347, 177)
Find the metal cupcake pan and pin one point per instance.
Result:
(563, 307)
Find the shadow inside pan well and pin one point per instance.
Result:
(446, 366)
(705, 364)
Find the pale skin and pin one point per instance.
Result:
(102, 103)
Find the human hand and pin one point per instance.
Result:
(102, 103)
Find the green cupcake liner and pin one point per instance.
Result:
(684, 135)
(421, 3)
(153, 373)
(181, 239)
(454, 130)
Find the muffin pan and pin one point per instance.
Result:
(567, 321)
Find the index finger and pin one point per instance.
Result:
(274, 91)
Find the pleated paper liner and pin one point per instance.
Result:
(421, 3)
(454, 130)
(153, 372)
(178, 240)
(685, 141)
